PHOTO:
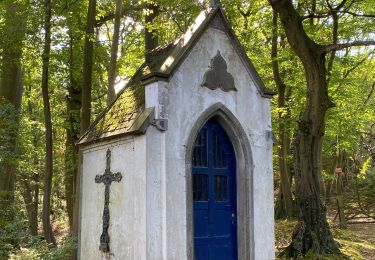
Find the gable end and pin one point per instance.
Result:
(181, 48)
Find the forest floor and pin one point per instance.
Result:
(357, 241)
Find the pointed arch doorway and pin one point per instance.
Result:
(214, 194)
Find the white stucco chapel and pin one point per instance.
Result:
(179, 166)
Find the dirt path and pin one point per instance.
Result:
(366, 237)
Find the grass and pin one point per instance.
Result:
(356, 242)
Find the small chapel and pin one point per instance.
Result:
(179, 166)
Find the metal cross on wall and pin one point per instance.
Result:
(107, 178)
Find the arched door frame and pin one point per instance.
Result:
(244, 178)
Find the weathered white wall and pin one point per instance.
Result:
(127, 205)
(182, 101)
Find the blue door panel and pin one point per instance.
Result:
(221, 252)
(214, 195)
(201, 224)
(202, 252)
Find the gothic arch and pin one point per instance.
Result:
(244, 177)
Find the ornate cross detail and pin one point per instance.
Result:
(107, 178)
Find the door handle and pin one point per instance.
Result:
(233, 217)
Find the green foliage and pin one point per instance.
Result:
(8, 129)
(365, 168)
(11, 232)
(17, 243)
(39, 249)
(363, 186)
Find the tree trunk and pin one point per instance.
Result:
(328, 192)
(30, 180)
(31, 207)
(73, 107)
(340, 200)
(312, 234)
(10, 103)
(286, 196)
(70, 169)
(88, 56)
(151, 38)
(114, 49)
(47, 229)
(279, 205)
(86, 98)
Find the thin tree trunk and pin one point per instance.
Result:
(73, 107)
(32, 211)
(114, 49)
(88, 55)
(340, 200)
(151, 38)
(279, 205)
(47, 229)
(328, 192)
(86, 99)
(312, 234)
(70, 168)
(286, 197)
(30, 180)
(10, 103)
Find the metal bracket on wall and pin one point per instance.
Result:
(160, 124)
(271, 134)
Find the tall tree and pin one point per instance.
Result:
(151, 37)
(73, 105)
(313, 233)
(283, 148)
(29, 178)
(47, 229)
(114, 49)
(88, 55)
(10, 100)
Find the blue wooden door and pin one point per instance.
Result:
(214, 195)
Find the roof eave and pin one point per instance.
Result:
(139, 127)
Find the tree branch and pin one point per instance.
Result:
(347, 73)
(107, 17)
(316, 15)
(111, 15)
(329, 14)
(341, 5)
(341, 46)
(243, 13)
(370, 94)
(274, 55)
(335, 29)
(356, 65)
(357, 15)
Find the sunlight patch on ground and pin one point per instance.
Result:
(357, 242)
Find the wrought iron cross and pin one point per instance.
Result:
(107, 178)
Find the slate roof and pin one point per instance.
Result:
(127, 114)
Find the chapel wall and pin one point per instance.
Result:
(187, 100)
(127, 230)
